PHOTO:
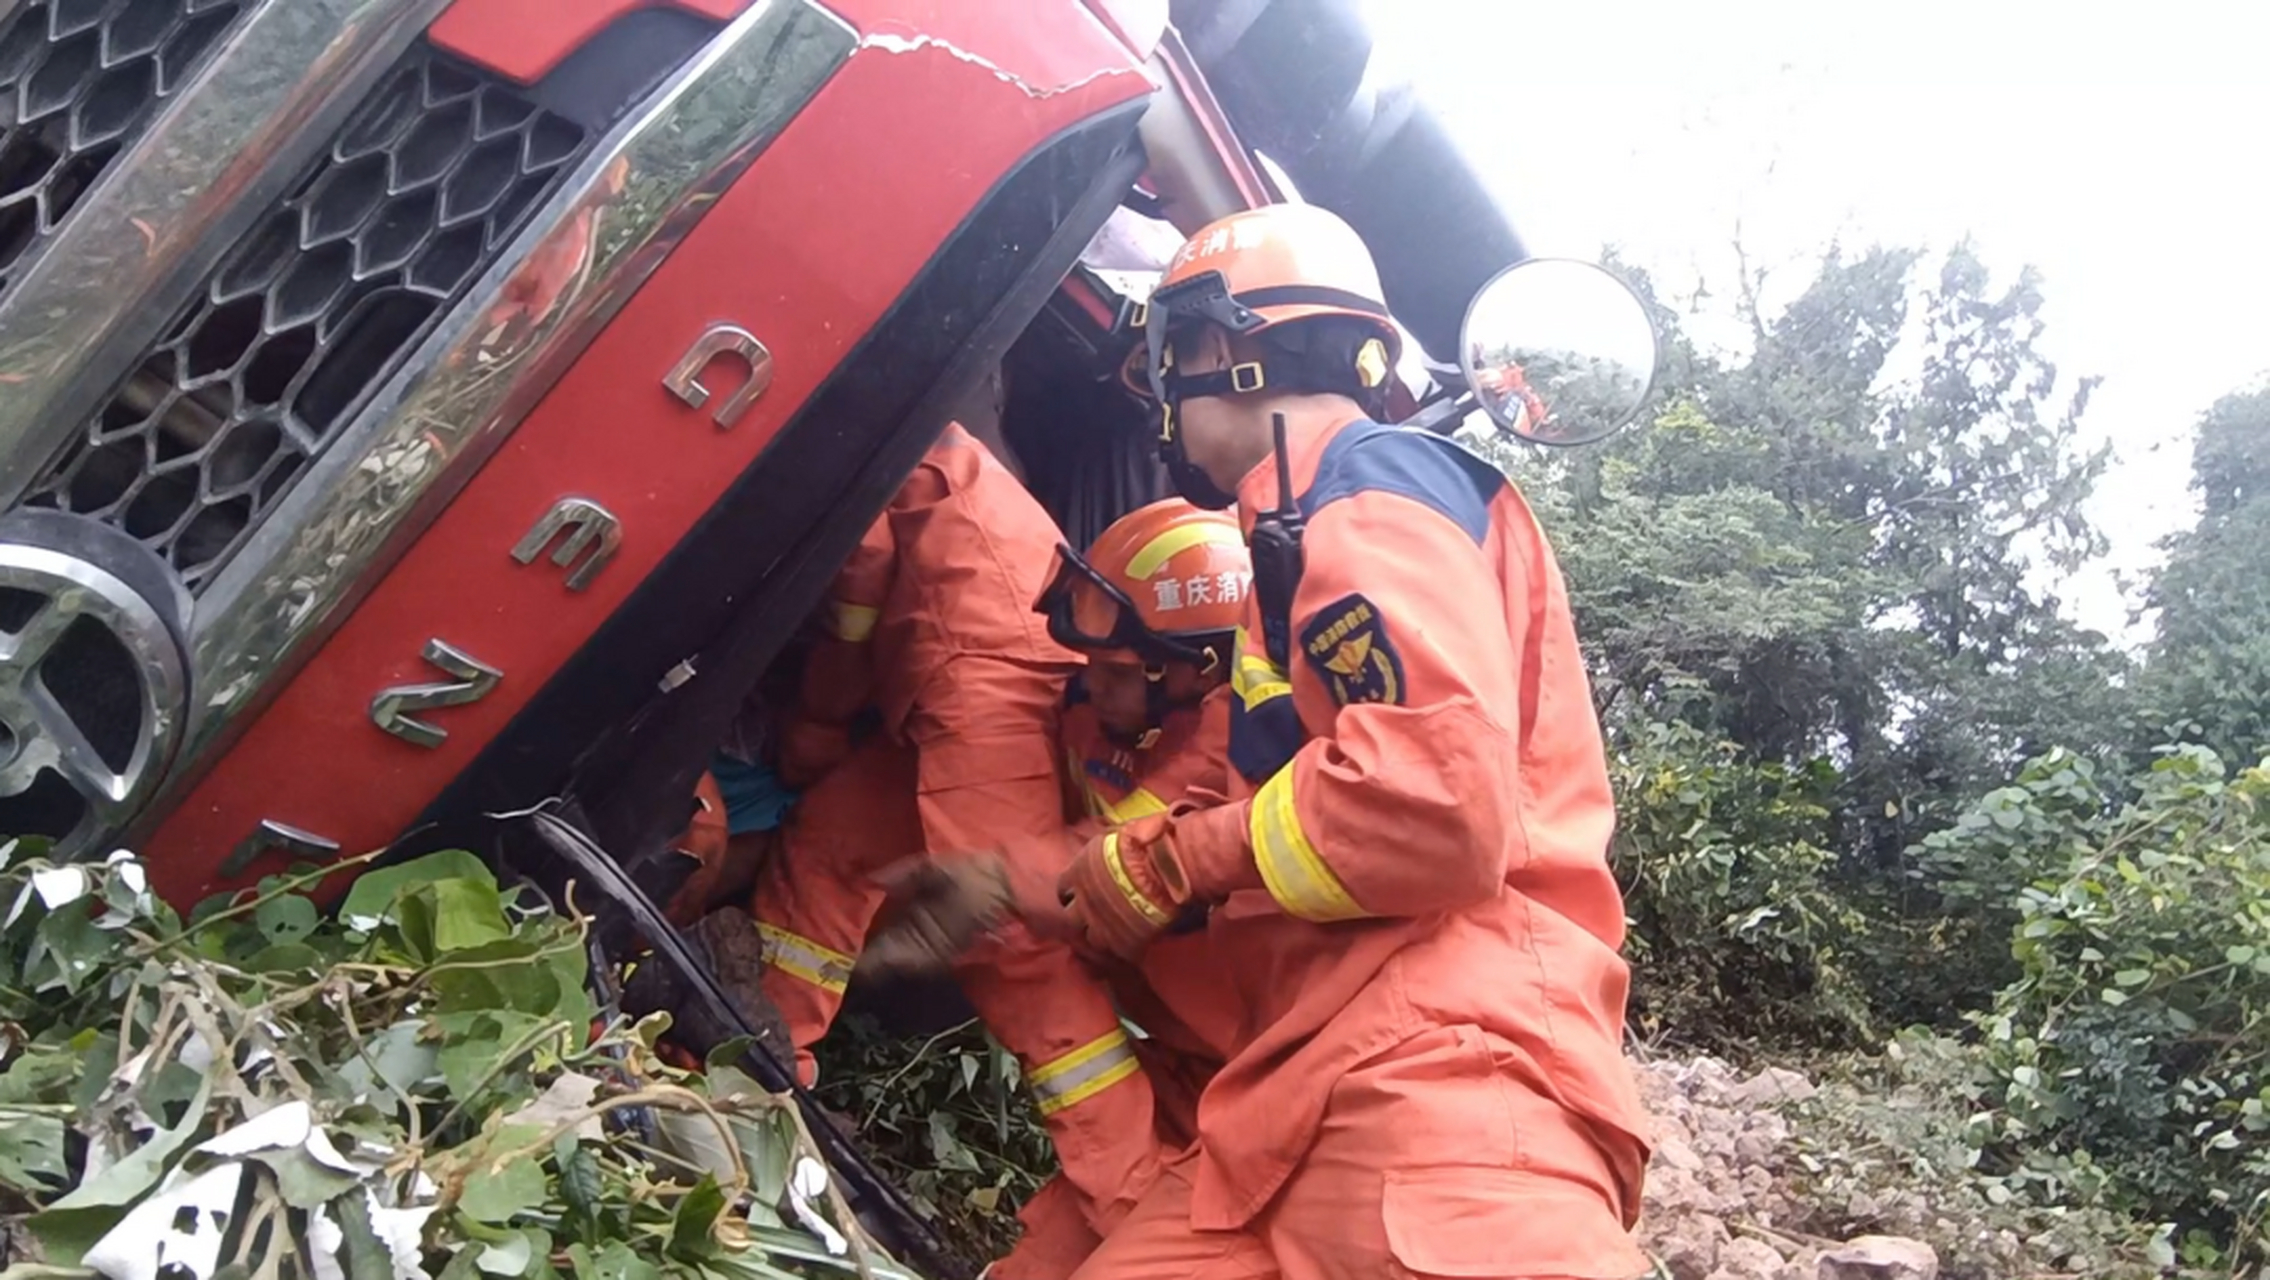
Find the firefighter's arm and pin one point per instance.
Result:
(1406, 806)
(839, 672)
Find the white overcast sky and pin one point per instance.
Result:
(2122, 149)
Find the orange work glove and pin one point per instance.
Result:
(1126, 886)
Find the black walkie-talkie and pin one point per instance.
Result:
(1277, 565)
(1277, 558)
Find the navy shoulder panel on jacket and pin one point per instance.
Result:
(1420, 465)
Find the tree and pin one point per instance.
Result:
(2207, 678)
(1817, 551)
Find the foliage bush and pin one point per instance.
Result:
(2138, 1030)
(1737, 933)
(1891, 1144)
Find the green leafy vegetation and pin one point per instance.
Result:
(416, 1088)
(947, 1120)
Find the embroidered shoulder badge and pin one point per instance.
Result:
(1347, 641)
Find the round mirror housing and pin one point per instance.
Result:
(1558, 351)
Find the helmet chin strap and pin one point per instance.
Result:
(1190, 479)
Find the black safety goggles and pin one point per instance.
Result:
(1106, 619)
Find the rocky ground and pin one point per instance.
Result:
(1719, 1204)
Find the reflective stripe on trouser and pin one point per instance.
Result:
(815, 898)
(1049, 1009)
(801, 958)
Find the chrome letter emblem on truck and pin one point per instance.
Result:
(595, 530)
(391, 709)
(684, 381)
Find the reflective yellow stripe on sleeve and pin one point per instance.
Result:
(1084, 1072)
(1117, 866)
(1254, 681)
(1290, 866)
(801, 958)
(855, 622)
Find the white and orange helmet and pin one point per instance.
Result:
(1252, 272)
(1260, 273)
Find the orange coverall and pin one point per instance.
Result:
(1413, 906)
(704, 840)
(1173, 995)
(933, 627)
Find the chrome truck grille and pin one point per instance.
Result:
(78, 80)
(276, 276)
(419, 193)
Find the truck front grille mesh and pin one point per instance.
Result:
(417, 195)
(78, 81)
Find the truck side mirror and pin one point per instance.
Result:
(1558, 351)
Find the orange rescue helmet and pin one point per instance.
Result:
(1254, 271)
(1167, 582)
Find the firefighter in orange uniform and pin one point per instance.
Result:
(934, 636)
(1154, 605)
(704, 840)
(1408, 885)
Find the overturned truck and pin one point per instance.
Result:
(424, 423)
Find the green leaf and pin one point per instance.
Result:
(167, 1089)
(615, 1261)
(464, 1264)
(474, 1046)
(580, 1184)
(66, 1234)
(727, 1052)
(395, 1058)
(45, 1074)
(286, 919)
(31, 1150)
(2132, 977)
(372, 899)
(361, 1253)
(467, 914)
(946, 1148)
(509, 1257)
(100, 1052)
(509, 975)
(414, 922)
(693, 1225)
(303, 1181)
(139, 1170)
(79, 946)
(498, 1195)
(2113, 997)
